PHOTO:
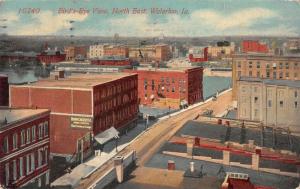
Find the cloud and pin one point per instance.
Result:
(47, 23)
(242, 18)
(201, 22)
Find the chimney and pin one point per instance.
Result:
(171, 165)
(119, 166)
(192, 167)
(61, 74)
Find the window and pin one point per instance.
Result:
(255, 112)
(15, 141)
(274, 75)
(296, 104)
(258, 73)
(280, 75)
(239, 64)
(162, 79)
(239, 73)
(295, 64)
(268, 74)
(257, 64)
(173, 80)
(5, 144)
(250, 73)
(287, 74)
(27, 164)
(46, 155)
(33, 134)
(21, 167)
(173, 89)
(255, 99)
(167, 80)
(32, 163)
(7, 174)
(46, 128)
(286, 65)
(28, 136)
(281, 103)
(40, 130)
(22, 137)
(269, 103)
(250, 64)
(280, 65)
(14, 169)
(268, 66)
(295, 94)
(40, 157)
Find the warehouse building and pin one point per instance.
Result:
(169, 87)
(82, 106)
(272, 102)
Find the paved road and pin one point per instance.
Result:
(150, 142)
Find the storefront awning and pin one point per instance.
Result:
(107, 135)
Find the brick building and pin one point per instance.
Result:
(169, 87)
(51, 56)
(116, 50)
(111, 61)
(81, 106)
(75, 53)
(24, 141)
(18, 56)
(198, 54)
(249, 46)
(4, 90)
(264, 66)
(149, 53)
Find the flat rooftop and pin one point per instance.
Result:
(167, 69)
(288, 83)
(11, 115)
(85, 81)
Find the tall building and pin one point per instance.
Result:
(96, 51)
(82, 106)
(116, 50)
(149, 53)
(198, 54)
(4, 88)
(249, 46)
(218, 52)
(75, 53)
(51, 56)
(272, 102)
(264, 66)
(24, 141)
(169, 87)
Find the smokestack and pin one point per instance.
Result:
(192, 167)
(118, 163)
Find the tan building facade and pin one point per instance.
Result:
(116, 50)
(148, 53)
(75, 52)
(96, 51)
(218, 52)
(272, 102)
(264, 66)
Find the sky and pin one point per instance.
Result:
(200, 18)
